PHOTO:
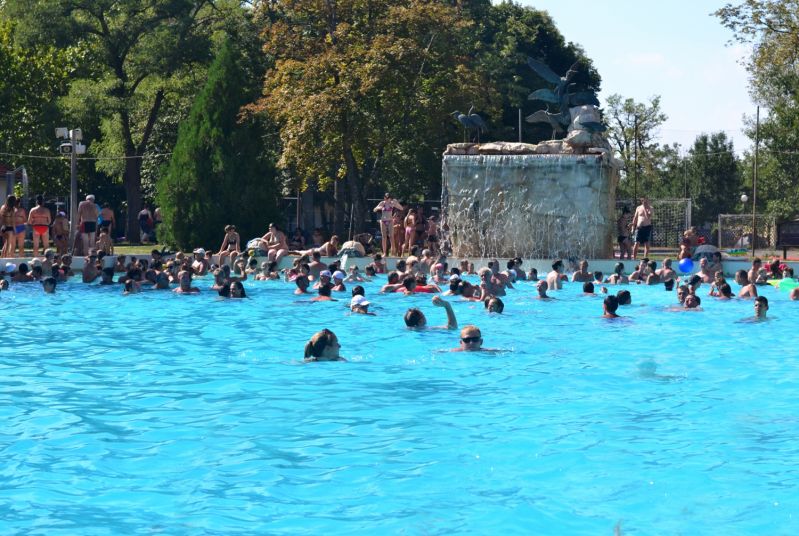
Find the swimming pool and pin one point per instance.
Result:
(159, 413)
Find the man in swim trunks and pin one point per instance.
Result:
(386, 209)
(554, 277)
(40, 219)
(61, 233)
(761, 307)
(108, 219)
(582, 275)
(642, 223)
(87, 221)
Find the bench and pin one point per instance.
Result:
(787, 236)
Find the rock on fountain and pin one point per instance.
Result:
(554, 199)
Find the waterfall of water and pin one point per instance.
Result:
(533, 206)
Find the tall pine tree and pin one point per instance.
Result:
(220, 171)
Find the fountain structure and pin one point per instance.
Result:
(553, 199)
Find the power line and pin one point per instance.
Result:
(42, 157)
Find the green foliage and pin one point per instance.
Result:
(510, 34)
(632, 130)
(773, 28)
(217, 174)
(714, 179)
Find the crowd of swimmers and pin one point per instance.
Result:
(421, 272)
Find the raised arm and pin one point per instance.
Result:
(452, 322)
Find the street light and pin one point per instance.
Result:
(73, 149)
(744, 198)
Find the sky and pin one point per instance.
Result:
(675, 49)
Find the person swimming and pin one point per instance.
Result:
(323, 346)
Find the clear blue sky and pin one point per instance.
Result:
(675, 49)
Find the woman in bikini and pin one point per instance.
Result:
(230, 245)
(40, 219)
(410, 231)
(7, 226)
(20, 226)
(386, 208)
(398, 234)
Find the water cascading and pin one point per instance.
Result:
(529, 205)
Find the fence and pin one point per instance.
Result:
(670, 218)
(735, 231)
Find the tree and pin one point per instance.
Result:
(632, 129)
(362, 91)
(773, 28)
(510, 34)
(714, 177)
(218, 174)
(134, 50)
(31, 82)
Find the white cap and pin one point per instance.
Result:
(454, 277)
(35, 262)
(325, 273)
(199, 251)
(10, 267)
(338, 274)
(90, 197)
(358, 301)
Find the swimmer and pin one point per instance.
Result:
(692, 301)
(532, 275)
(588, 289)
(324, 294)
(748, 290)
(414, 317)
(338, 281)
(354, 276)
(761, 307)
(609, 306)
(131, 287)
(618, 277)
(302, 284)
(48, 285)
(323, 346)
(581, 275)
(542, 287)
(360, 305)
(494, 305)
(184, 280)
(472, 341)
(554, 277)
(624, 297)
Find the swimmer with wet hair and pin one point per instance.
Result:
(49, 284)
(415, 319)
(692, 301)
(761, 307)
(588, 288)
(609, 306)
(323, 346)
(494, 305)
(542, 287)
(624, 297)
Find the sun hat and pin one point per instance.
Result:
(199, 251)
(358, 301)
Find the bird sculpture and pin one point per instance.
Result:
(561, 96)
(470, 121)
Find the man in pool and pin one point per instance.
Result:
(184, 280)
(472, 341)
(542, 287)
(761, 307)
(756, 265)
(554, 277)
(748, 290)
(323, 346)
(609, 306)
(414, 317)
(582, 275)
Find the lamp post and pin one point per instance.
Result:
(73, 149)
(744, 199)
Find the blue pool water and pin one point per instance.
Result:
(166, 414)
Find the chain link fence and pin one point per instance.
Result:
(736, 231)
(670, 218)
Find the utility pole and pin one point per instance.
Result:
(754, 184)
(73, 149)
(635, 152)
(520, 125)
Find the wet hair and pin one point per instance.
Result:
(315, 347)
(413, 317)
(401, 265)
(742, 274)
(619, 268)
(695, 280)
(598, 275)
(454, 285)
(500, 304)
(557, 264)
(762, 300)
(669, 284)
(725, 290)
(302, 279)
(611, 303)
(409, 282)
(324, 290)
(358, 290)
(652, 265)
(224, 291)
(624, 297)
(455, 271)
(49, 280)
(239, 286)
(393, 278)
(370, 270)
(588, 287)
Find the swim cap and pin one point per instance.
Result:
(338, 274)
(10, 267)
(325, 273)
(358, 301)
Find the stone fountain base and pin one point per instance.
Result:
(533, 201)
